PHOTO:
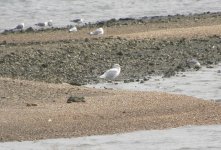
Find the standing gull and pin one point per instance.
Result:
(78, 21)
(41, 24)
(44, 24)
(98, 31)
(50, 23)
(112, 73)
(73, 29)
(20, 26)
(193, 63)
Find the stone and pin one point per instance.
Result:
(76, 99)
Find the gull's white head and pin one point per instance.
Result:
(23, 24)
(116, 66)
(81, 20)
(101, 30)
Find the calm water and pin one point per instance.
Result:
(30, 12)
(205, 83)
(183, 138)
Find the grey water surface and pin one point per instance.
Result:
(182, 138)
(13, 12)
(204, 83)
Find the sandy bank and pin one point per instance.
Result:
(104, 112)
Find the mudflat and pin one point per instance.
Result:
(40, 70)
(33, 110)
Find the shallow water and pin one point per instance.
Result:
(30, 12)
(204, 83)
(183, 138)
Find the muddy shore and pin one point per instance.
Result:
(144, 47)
(33, 110)
(38, 71)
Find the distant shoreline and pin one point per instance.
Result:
(120, 21)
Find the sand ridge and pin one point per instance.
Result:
(104, 112)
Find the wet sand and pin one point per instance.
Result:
(32, 110)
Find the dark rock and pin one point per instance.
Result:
(44, 65)
(141, 81)
(119, 53)
(209, 66)
(86, 40)
(126, 19)
(131, 80)
(31, 104)
(126, 81)
(3, 42)
(145, 79)
(169, 73)
(30, 29)
(76, 99)
(209, 62)
(75, 83)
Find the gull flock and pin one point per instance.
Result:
(77, 22)
(112, 73)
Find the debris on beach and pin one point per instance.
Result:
(31, 104)
(76, 99)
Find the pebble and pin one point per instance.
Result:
(76, 99)
(141, 81)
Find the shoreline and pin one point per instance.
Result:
(159, 46)
(48, 114)
(38, 71)
(122, 21)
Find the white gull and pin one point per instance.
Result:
(20, 26)
(98, 31)
(73, 29)
(193, 63)
(78, 21)
(44, 24)
(112, 73)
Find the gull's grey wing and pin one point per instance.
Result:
(111, 74)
